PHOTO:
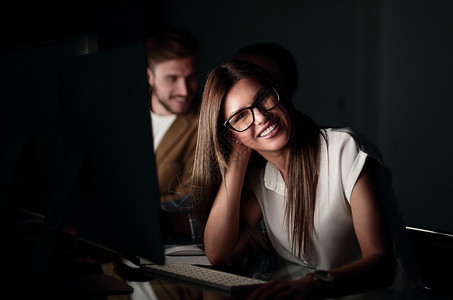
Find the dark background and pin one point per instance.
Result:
(381, 66)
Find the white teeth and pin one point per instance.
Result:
(180, 99)
(268, 130)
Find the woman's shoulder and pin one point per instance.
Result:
(339, 139)
(344, 135)
(337, 134)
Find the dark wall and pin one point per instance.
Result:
(415, 107)
(112, 22)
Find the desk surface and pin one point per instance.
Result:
(165, 289)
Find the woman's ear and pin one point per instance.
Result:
(150, 77)
(235, 138)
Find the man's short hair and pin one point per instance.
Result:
(170, 43)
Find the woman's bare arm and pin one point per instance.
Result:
(377, 266)
(224, 236)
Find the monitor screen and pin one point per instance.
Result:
(108, 187)
(31, 149)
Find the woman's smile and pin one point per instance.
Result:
(270, 131)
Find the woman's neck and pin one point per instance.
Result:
(278, 159)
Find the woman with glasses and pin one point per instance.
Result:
(258, 158)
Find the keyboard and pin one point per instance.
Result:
(203, 276)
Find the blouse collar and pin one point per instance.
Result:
(273, 179)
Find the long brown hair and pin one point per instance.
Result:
(213, 149)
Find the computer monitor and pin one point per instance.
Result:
(31, 149)
(108, 188)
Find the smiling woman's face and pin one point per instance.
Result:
(270, 129)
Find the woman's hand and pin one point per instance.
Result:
(304, 288)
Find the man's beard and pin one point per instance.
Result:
(165, 105)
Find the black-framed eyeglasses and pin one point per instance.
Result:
(244, 118)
